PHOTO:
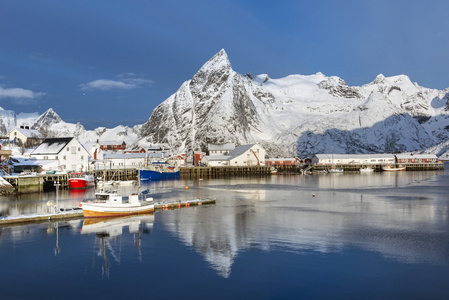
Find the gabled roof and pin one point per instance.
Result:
(52, 146)
(221, 147)
(111, 143)
(231, 155)
(29, 133)
(239, 150)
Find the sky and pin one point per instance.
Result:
(111, 62)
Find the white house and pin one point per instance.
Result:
(220, 149)
(68, 153)
(245, 155)
(23, 136)
(121, 160)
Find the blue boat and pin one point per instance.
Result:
(158, 171)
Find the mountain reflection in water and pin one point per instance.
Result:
(283, 236)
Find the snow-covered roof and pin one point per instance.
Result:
(240, 150)
(110, 143)
(29, 133)
(52, 146)
(233, 154)
(355, 156)
(416, 156)
(221, 147)
(123, 155)
(218, 157)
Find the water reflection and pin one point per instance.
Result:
(399, 216)
(108, 236)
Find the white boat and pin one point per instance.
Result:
(109, 204)
(391, 168)
(333, 170)
(273, 171)
(366, 170)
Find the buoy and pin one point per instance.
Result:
(186, 187)
(313, 195)
(80, 205)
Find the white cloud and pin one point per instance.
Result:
(105, 85)
(19, 95)
(125, 81)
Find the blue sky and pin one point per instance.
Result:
(105, 63)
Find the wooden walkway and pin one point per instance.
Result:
(78, 213)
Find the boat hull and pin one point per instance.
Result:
(388, 169)
(79, 183)
(99, 210)
(157, 175)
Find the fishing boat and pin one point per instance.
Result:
(366, 170)
(273, 171)
(81, 181)
(159, 170)
(392, 168)
(110, 204)
(333, 170)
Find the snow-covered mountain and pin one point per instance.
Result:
(299, 115)
(51, 125)
(295, 115)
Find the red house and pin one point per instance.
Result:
(112, 145)
(282, 161)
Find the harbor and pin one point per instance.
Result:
(77, 213)
(31, 183)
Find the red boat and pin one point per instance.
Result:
(81, 181)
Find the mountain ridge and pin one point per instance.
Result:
(295, 115)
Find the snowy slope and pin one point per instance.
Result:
(299, 114)
(295, 115)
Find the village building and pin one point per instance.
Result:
(24, 137)
(197, 158)
(245, 155)
(66, 154)
(282, 161)
(112, 146)
(120, 160)
(346, 159)
(366, 159)
(220, 149)
(416, 158)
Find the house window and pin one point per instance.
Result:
(82, 157)
(65, 157)
(79, 149)
(74, 167)
(73, 150)
(67, 148)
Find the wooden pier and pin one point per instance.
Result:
(41, 182)
(214, 172)
(78, 213)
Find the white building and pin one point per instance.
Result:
(67, 154)
(120, 160)
(24, 136)
(245, 155)
(220, 149)
(365, 159)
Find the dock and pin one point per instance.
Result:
(78, 213)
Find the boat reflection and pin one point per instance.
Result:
(108, 236)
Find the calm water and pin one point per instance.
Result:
(338, 236)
